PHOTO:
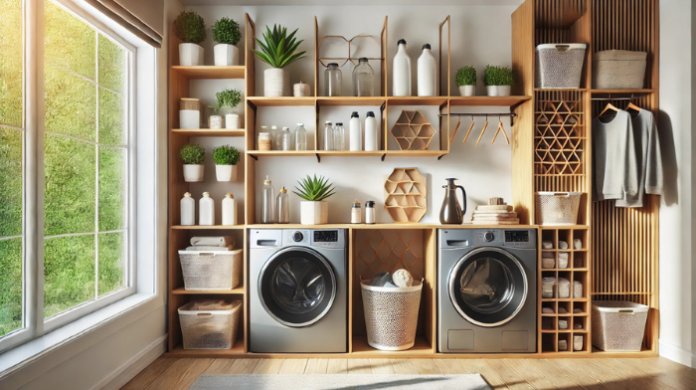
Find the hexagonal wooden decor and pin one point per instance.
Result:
(412, 131)
(405, 195)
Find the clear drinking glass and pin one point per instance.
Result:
(363, 78)
(339, 137)
(300, 137)
(332, 80)
(328, 136)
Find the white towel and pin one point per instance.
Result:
(209, 248)
(382, 279)
(402, 278)
(547, 244)
(562, 245)
(213, 241)
(577, 243)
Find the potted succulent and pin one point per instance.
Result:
(466, 80)
(314, 209)
(498, 80)
(278, 50)
(226, 158)
(190, 28)
(227, 100)
(226, 34)
(193, 156)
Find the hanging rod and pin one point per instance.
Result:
(609, 98)
(512, 115)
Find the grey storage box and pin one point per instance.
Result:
(618, 325)
(559, 65)
(618, 69)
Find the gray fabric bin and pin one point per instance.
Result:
(618, 69)
(559, 65)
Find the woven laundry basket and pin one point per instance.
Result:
(618, 325)
(391, 315)
(211, 270)
(557, 208)
(559, 65)
(617, 69)
(210, 324)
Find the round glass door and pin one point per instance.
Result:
(488, 287)
(297, 286)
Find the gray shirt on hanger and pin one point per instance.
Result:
(615, 163)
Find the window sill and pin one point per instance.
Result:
(97, 325)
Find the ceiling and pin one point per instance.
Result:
(354, 2)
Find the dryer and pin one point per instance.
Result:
(487, 288)
(298, 290)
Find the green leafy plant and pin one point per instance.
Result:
(278, 47)
(226, 31)
(498, 75)
(189, 27)
(228, 98)
(314, 189)
(192, 154)
(226, 155)
(466, 76)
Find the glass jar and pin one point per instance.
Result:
(339, 136)
(332, 80)
(283, 206)
(268, 201)
(363, 78)
(328, 136)
(276, 141)
(300, 137)
(264, 141)
(286, 139)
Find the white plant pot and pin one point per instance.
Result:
(498, 90)
(467, 90)
(232, 121)
(226, 172)
(314, 213)
(193, 173)
(190, 54)
(215, 122)
(226, 55)
(189, 119)
(276, 82)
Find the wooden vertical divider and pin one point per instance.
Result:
(384, 49)
(351, 257)
(429, 294)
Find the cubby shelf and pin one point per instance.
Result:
(283, 101)
(239, 290)
(209, 132)
(212, 227)
(210, 72)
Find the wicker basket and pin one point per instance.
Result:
(209, 324)
(557, 208)
(560, 66)
(391, 315)
(211, 270)
(616, 69)
(618, 325)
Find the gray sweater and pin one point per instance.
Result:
(615, 164)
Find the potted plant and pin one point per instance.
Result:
(226, 34)
(226, 101)
(226, 158)
(466, 80)
(189, 27)
(498, 80)
(193, 156)
(314, 209)
(278, 50)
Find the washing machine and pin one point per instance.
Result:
(298, 290)
(487, 287)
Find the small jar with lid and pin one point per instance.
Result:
(370, 212)
(355, 213)
(264, 141)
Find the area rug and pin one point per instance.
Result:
(340, 382)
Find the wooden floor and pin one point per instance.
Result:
(592, 373)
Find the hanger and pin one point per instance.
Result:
(482, 131)
(607, 108)
(500, 127)
(633, 107)
(471, 126)
(459, 122)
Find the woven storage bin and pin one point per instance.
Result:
(557, 208)
(209, 324)
(616, 69)
(211, 270)
(391, 315)
(559, 66)
(618, 325)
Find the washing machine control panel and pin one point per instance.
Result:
(518, 239)
(488, 236)
(297, 236)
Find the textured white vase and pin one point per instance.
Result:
(226, 172)
(276, 82)
(467, 90)
(193, 173)
(190, 54)
(314, 213)
(226, 55)
(232, 121)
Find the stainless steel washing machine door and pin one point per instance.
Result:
(297, 286)
(488, 286)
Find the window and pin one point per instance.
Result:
(66, 243)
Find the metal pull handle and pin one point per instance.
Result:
(460, 243)
(266, 242)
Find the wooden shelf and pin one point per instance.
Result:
(284, 101)
(239, 290)
(351, 101)
(214, 227)
(237, 349)
(503, 101)
(416, 153)
(210, 72)
(362, 349)
(209, 132)
(417, 100)
(346, 153)
(621, 91)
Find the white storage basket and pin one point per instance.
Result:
(391, 315)
(559, 65)
(209, 324)
(618, 325)
(617, 69)
(211, 270)
(557, 208)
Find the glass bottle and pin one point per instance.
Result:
(328, 136)
(339, 136)
(286, 139)
(283, 206)
(268, 201)
(276, 143)
(363, 78)
(300, 137)
(332, 80)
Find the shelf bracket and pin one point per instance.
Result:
(254, 157)
(513, 114)
(318, 157)
(383, 106)
(252, 105)
(383, 156)
(441, 156)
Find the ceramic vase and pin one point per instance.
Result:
(467, 90)
(193, 173)
(226, 172)
(226, 55)
(314, 213)
(276, 82)
(498, 90)
(232, 121)
(190, 54)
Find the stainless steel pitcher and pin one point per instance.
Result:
(451, 213)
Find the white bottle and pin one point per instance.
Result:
(188, 210)
(206, 210)
(371, 141)
(229, 210)
(355, 133)
(402, 71)
(355, 213)
(427, 73)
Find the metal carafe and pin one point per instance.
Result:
(451, 213)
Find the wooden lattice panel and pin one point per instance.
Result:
(405, 195)
(554, 19)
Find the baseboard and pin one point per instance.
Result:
(677, 354)
(133, 366)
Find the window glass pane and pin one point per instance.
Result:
(11, 84)
(10, 182)
(111, 262)
(111, 64)
(110, 117)
(112, 173)
(10, 285)
(69, 272)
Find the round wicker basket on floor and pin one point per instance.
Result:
(391, 315)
